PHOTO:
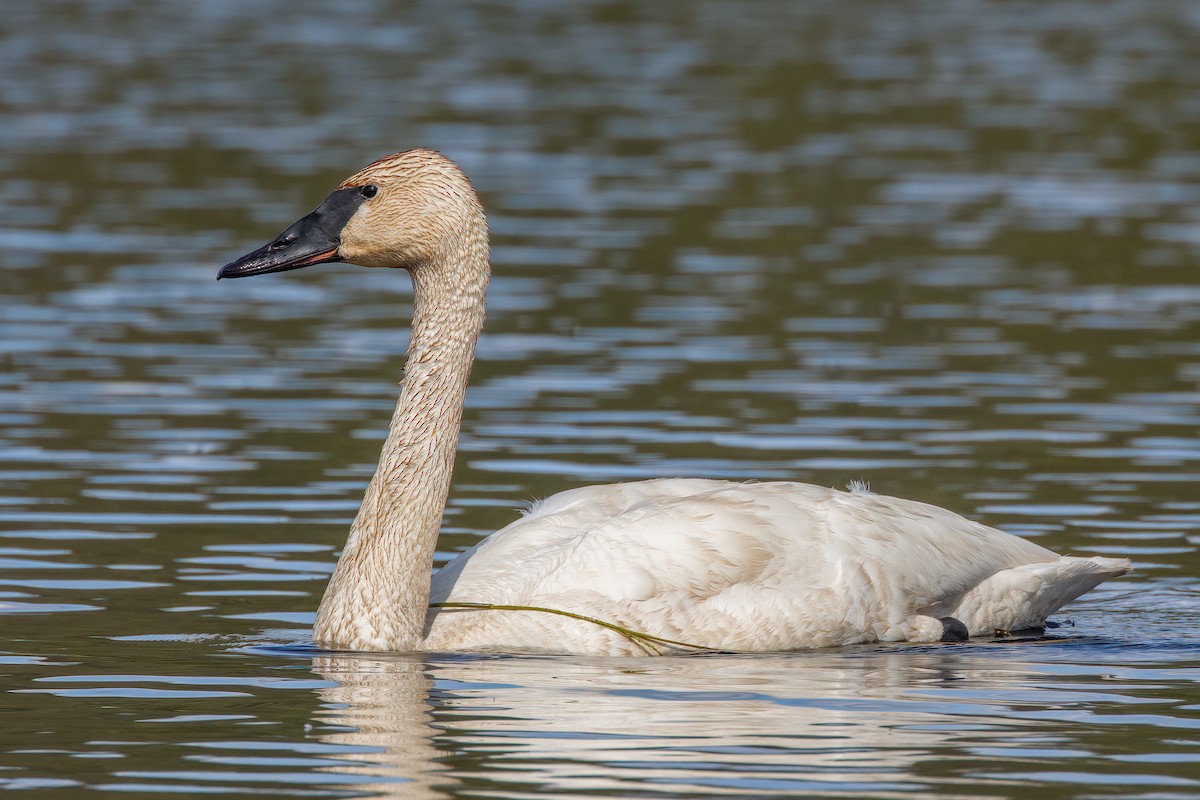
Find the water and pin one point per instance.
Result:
(947, 248)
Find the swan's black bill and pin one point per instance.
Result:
(312, 240)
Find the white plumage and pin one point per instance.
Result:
(746, 567)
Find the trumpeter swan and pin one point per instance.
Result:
(650, 566)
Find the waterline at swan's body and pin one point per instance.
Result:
(726, 566)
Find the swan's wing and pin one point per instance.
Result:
(623, 541)
(738, 566)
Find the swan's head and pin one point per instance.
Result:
(405, 210)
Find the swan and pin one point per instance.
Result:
(656, 566)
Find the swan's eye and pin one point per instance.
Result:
(370, 190)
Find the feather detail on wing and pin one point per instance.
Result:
(754, 566)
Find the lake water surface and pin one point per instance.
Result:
(947, 248)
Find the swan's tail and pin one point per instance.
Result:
(1022, 597)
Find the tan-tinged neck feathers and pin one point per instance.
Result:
(432, 224)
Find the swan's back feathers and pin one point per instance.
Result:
(755, 566)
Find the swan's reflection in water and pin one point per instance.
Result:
(866, 722)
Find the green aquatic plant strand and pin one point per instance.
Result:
(644, 641)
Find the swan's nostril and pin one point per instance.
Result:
(282, 242)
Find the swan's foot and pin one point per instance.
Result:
(953, 630)
(924, 629)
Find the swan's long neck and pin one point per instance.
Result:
(379, 593)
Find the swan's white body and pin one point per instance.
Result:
(727, 566)
(747, 567)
